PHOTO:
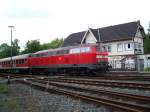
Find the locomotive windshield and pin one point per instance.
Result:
(98, 48)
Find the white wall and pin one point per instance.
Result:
(124, 51)
(139, 40)
(90, 39)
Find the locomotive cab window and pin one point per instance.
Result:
(85, 49)
(98, 48)
(75, 50)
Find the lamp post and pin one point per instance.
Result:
(11, 62)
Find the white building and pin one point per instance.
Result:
(124, 42)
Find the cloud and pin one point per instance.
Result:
(22, 10)
(25, 13)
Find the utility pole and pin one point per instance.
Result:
(11, 62)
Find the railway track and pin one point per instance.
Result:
(109, 83)
(114, 104)
(68, 86)
(92, 81)
(101, 91)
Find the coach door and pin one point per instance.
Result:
(14, 63)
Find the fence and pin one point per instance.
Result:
(124, 63)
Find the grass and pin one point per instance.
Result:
(4, 89)
(9, 103)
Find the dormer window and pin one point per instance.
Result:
(128, 46)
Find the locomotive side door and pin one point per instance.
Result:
(74, 56)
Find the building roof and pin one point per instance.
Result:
(126, 31)
(74, 39)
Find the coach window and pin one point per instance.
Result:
(16, 61)
(19, 61)
(66, 51)
(58, 52)
(22, 61)
(33, 55)
(50, 53)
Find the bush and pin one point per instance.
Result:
(147, 69)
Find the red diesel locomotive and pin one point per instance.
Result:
(73, 59)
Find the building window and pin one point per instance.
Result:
(119, 47)
(139, 45)
(109, 48)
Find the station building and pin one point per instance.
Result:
(124, 42)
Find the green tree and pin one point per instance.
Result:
(147, 44)
(56, 43)
(15, 47)
(149, 29)
(53, 44)
(4, 50)
(147, 41)
(32, 46)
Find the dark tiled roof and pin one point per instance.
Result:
(119, 32)
(74, 39)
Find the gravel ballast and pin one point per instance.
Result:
(33, 100)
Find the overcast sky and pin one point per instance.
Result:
(49, 19)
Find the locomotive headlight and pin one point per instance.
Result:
(98, 56)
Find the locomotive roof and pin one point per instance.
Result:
(15, 57)
(63, 48)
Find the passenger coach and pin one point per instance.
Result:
(19, 64)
